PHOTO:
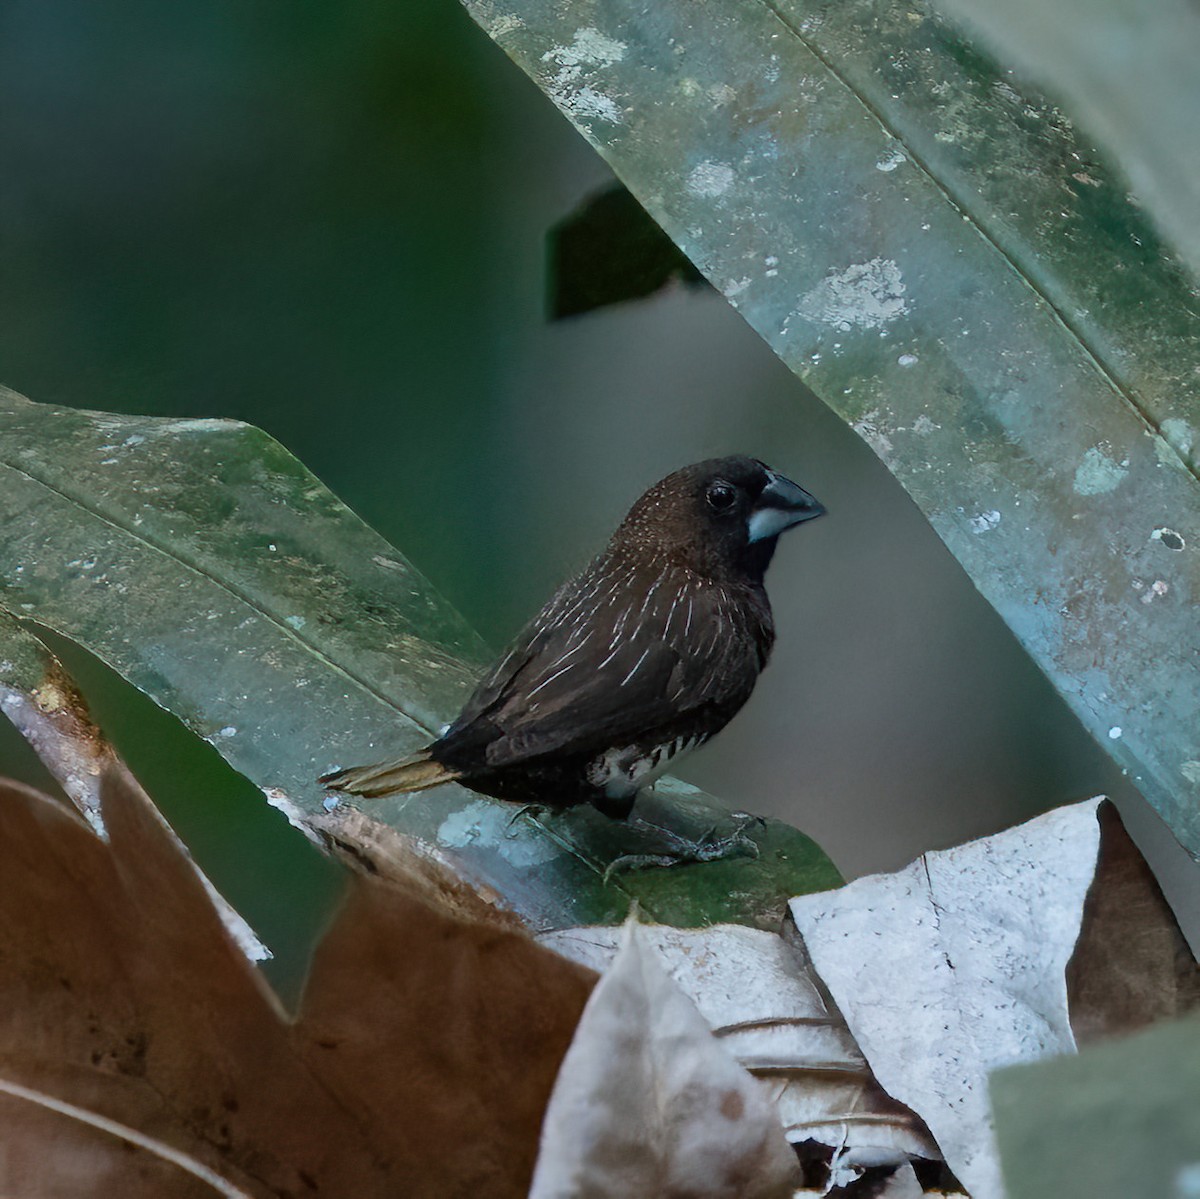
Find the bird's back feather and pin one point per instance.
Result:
(611, 659)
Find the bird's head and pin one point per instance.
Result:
(719, 517)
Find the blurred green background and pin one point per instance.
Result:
(329, 221)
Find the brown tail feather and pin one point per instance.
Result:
(414, 773)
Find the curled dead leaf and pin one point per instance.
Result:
(419, 1064)
(649, 1104)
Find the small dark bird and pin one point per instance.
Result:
(644, 656)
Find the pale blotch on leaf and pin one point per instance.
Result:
(891, 160)
(865, 295)
(709, 180)
(985, 522)
(491, 826)
(569, 87)
(1098, 474)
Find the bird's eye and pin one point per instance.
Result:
(721, 497)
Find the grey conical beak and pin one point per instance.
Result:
(781, 505)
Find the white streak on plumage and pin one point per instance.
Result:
(638, 663)
(569, 653)
(617, 628)
(546, 682)
(611, 656)
(649, 595)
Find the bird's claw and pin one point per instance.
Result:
(638, 861)
(726, 847)
(683, 851)
(534, 809)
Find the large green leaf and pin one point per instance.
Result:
(942, 260)
(207, 566)
(1132, 80)
(1119, 1120)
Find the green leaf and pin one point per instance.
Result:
(1132, 80)
(204, 563)
(941, 259)
(1118, 1120)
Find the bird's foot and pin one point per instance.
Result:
(709, 847)
(683, 851)
(529, 809)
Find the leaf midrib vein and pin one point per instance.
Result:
(978, 223)
(195, 566)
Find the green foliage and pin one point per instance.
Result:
(1116, 1121)
(204, 563)
(942, 260)
(1131, 79)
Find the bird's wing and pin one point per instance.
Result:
(593, 671)
(531, 645)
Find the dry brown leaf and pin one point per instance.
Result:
(54, 1157)
(48, 710)
(420, 1064)
(1131, 965)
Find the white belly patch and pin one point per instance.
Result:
(624, 771)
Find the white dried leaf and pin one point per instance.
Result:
(902, 1185)
(955, 966)
(735, 975)
(648, 1104)
(759, 998)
